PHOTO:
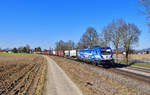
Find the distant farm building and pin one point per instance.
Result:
(146, 52)
(115, 52)
(1, 50)
(143, 52)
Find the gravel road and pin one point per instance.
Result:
(58, 82)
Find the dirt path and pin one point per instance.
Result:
(58, 82)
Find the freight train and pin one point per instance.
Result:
(97, 56)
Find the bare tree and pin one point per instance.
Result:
(105, 35)
(118, 34)
(60, 45)
(50, 48)
(112, 34)
(146, 11)
(27, 48)
(70, 45)
(129, 35)
(81, 45)
(89, 39)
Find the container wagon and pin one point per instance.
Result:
(99, 55)
(66, 53)
(60, 52)
(73, 53)
(54, 52)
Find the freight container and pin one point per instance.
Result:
(67, 53)
(46, 52)
(54, 52)
(60, 52)
(73, 53)
(51, 52)
(57, 53)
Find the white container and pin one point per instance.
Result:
(73, 53)
(54, 52)
(66, 52)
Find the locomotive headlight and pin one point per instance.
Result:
(108, 50)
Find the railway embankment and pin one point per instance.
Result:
(93, 80)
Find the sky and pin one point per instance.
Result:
(44, 22)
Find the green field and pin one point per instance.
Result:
(17, 54)
(142, 65)
(136, 64)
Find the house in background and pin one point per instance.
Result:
(143, 52)
(117, 51)
(1, 50)
(146, 52)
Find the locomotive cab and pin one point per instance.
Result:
(99, 55)
(103, 54)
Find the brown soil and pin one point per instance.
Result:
(19, 75)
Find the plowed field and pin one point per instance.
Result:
(19, 75)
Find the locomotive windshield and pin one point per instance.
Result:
(105, 51)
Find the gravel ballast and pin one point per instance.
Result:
(141, 87)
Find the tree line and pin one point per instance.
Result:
(146, 10)
(25, 49)
(117, 34)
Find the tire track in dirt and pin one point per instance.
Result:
(22, 78)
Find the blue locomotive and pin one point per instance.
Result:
(99, 55)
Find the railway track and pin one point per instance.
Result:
(119, 70)
(139, 69)
(132, 75)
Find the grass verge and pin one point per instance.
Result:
(136, 64)
(142, 65)
(135, 56)
(41, 84)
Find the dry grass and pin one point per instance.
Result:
(41, 83)
(136, 56)
(90, 82)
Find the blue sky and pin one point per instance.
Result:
(43, 22)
